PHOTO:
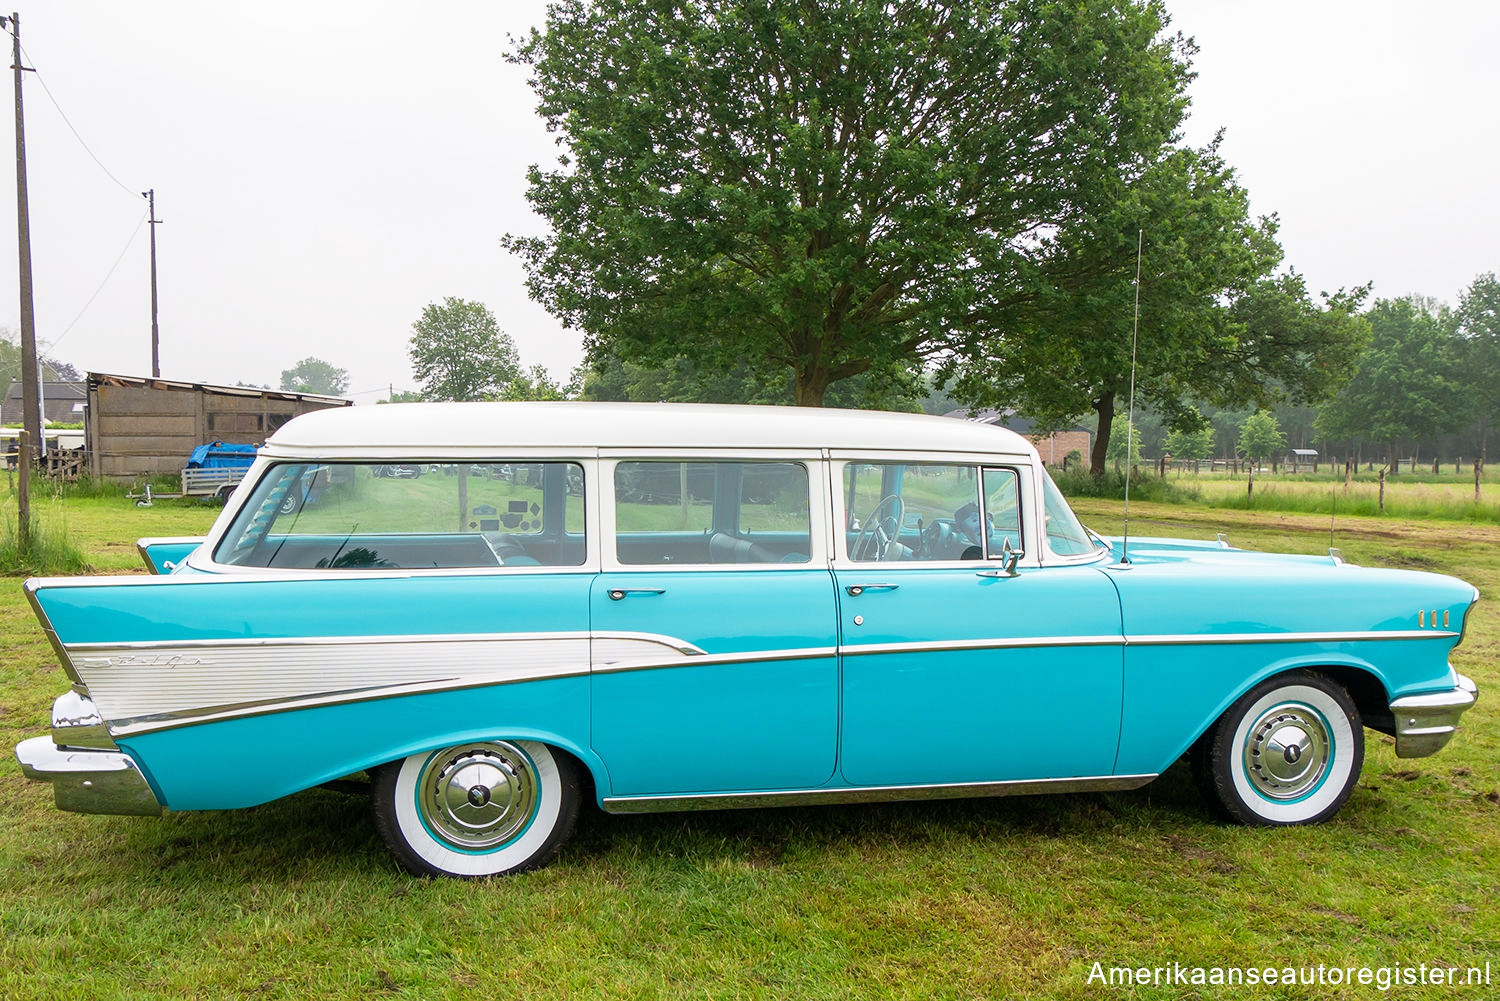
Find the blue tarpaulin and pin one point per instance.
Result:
(221, 455)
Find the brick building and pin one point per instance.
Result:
(1054, 447)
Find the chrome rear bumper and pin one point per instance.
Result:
(1424, 723)
(88, 781)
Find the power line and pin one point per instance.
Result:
(66, 121)
(133, 234)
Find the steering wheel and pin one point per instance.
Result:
(937, 541)
(879, 531)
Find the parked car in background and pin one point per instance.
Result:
(710, 607)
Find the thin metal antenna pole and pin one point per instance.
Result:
(1333, 510)
(1135, 330)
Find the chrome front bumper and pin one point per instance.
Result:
(88, 781)
(1424, 723)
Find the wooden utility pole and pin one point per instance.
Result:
(31, 415)
(155, 333)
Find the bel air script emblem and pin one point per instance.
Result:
(144, 660)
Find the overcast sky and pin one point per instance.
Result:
(324, 170)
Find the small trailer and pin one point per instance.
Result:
(213, 470)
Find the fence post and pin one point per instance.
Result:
(1382, 490)
(23, 492)
(1477, 469)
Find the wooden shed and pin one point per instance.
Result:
(138, 427)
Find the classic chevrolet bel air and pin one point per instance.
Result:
(492, 608)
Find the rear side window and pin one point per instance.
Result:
(409, 516)
(711, 512)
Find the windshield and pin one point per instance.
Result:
(1065, 535)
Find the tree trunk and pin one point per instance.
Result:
(809, 387)
(1105, 408)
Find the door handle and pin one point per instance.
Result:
(855, 590)
(620, 593)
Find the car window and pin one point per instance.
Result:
(913, 511)
(1002, 506)
(1065, 535)
(334, 516)
(712, 512)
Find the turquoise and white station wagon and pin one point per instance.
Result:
(484, 606)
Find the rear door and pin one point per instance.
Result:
(713, 651)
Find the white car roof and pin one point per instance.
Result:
(409, 429)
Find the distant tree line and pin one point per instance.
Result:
(1424, 385)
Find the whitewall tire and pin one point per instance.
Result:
(1287, 752)
(479, 809)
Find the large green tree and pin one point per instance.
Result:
(1403, 384)
(831, 187)
(1219, 322)
(314, 375)
(1478, 317)
(687, 380)
(459, 352)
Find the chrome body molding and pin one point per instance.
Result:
(627, 652)
(88, 781)
(1424, 723)
(134, 682)
(149, 686)
(871, 794)
(1196, 639)
(140, 687)
(999, 643)
(1209, 639)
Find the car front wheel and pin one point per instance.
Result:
(1287, 752)
(479, 809)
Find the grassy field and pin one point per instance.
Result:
(1445, 496)
(979, 899)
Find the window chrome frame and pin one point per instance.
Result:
(817, 510)
(202, 558)
(1026, 495)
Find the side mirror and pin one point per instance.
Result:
(1009, 558)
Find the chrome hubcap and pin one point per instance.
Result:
(478, 796)
(1287, 752)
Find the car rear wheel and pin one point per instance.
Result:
(479, 809)
(1287, 752)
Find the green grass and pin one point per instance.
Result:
(1421, 495)
(975, 899)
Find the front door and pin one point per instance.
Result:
(954, 671)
